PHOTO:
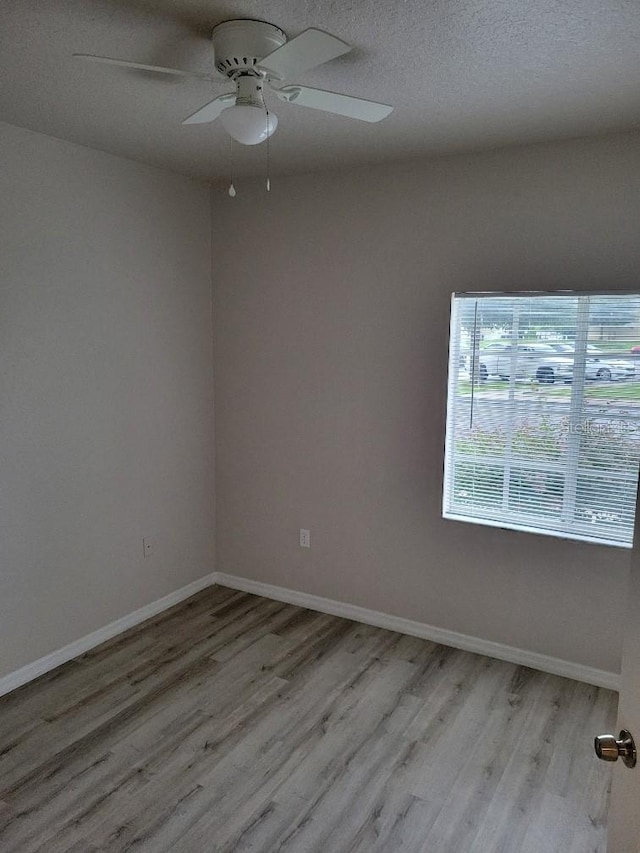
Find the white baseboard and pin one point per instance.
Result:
(90, 641)
(545, 663)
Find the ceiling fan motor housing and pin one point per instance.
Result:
(240, 45)
(250, 91)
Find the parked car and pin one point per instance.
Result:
(599, 366)
(532, 361)
(547, 363)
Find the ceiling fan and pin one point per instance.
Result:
(254, 54)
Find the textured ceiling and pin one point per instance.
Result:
(462, 74)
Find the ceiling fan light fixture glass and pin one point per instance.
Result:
(248, 124)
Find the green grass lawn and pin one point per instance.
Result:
(618, 391)
(614, 391)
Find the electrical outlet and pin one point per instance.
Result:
(305, 538)
(147, 550)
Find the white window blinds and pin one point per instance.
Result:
(543, 415)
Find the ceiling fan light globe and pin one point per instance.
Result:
(247, 124)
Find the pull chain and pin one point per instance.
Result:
(232, 189)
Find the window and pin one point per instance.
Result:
(543, 415)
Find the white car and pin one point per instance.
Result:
(532, 361)
(598, 366)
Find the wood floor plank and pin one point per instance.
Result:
(233, 723)
(140, 685)
(108, 786)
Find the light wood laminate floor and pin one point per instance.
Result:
(237, 723)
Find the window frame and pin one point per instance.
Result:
(514, 520)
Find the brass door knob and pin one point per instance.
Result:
(610, 748)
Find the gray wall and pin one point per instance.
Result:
(105, 390)
(331, 302)
(331, 298)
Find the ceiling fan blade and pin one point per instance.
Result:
(312, 47)
(107, 60)
(212, 110)
(332, 102)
